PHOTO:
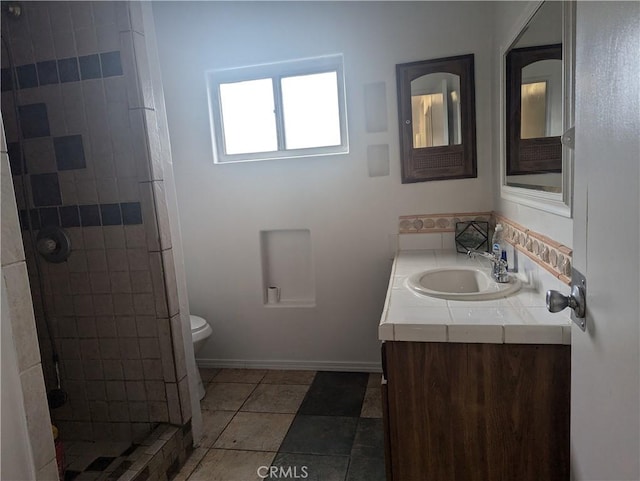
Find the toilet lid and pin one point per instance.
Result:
(197, 323)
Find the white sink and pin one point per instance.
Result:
(461, 284)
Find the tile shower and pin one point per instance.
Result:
(82, 134)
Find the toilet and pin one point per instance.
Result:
(200, 332)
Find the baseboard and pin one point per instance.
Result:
(290, 365)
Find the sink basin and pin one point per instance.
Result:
(461, 284)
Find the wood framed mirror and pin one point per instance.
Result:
(534, 110)
(437, 120)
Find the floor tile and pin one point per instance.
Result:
(320, 435)
(255, 431)
(80, 463)
(375, 379)
(289, 377)
(191, 463)
(275, 398)
(231, 465)
(366, 469)
(372, 404)
(100, 464)
(310, 467)
(335, 394)
(222, 396)
(71, 475)
(207, 374)
(89, 476)
(213, 423)
(240, 375)
(369, 440)
(341, 379)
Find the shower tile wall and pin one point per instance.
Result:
(87, 139)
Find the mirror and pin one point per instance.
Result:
(538, 109)
(534, 109)
(435, 110)
(436, 107)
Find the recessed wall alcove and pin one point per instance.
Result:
(287, 264)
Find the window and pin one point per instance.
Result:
(289, 109)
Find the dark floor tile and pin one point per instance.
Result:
(129, 450)
(335, 394)
(320, 435)
(366, 469)
(369, 440)
(100, 464)
(342, 379)
(308, 466)
(71, 475)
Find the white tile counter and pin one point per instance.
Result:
(519, 319)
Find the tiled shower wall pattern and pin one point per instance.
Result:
(80, 86)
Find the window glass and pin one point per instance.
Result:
(249, 122)
(311, 110)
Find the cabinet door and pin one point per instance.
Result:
(497, 412)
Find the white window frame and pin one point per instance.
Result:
(275, 71)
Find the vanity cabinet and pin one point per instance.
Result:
(466, 412)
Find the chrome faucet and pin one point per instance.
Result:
(499, 266)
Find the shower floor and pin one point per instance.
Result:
(92, 461)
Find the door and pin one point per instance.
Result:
(605, 400)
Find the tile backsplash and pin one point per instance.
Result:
(435, 231)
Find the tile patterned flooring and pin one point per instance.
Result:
(318, 426)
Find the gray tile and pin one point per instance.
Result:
(309, 466)
(369, 440)
(366, 469)
(335, 394)
(330, 435)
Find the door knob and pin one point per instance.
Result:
(556, 301)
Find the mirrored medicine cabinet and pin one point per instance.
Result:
(537, 109)
(436, 108)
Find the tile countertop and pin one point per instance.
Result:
(519, 319)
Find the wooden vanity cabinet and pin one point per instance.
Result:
(466, 412)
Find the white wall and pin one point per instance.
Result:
(507, 16)
(349, 214)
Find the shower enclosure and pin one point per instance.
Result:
(89, 156)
